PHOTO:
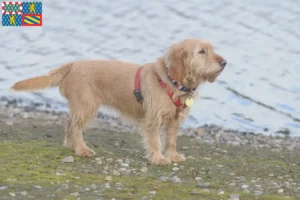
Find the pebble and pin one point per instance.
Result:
(245, 186)
(232, 184)
(232, 174)
(144, 169)
(119, 161)
(221, 192)
(109, 159)
(184, 148)
(106, 168)
(195, 193)
(175, 169)
(37, 186)
(152, 192)
(271, 175)
(99, 162)
(122, 169)
(164, 178)
(93, 186)
(206, 158)
(2, 187)
(198, 178)
(258, 192)
(280, 191)
(234, 197)
(97, 159)
(24, 193)
(12, 194)
(253, 181)
(106, 185)
(116, 173)
(220, 166)
(75, 194)
(108, 178)
(68, 159)
(119, 186)
(203, 185)
(175, 179)
(125, 165)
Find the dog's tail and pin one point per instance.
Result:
(52, 79)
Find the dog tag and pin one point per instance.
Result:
(189, 102)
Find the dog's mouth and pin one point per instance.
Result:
(219, 71)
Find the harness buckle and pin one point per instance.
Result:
(138, 95)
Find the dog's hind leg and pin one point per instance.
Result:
(80, 114)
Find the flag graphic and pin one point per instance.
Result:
(22, 13)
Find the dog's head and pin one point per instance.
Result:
(194, 61)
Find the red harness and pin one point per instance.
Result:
(138, 94)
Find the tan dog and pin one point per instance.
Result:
(88, 84)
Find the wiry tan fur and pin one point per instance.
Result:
(88, 84)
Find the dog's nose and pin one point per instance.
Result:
(223, 63)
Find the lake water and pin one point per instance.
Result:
(260, 88)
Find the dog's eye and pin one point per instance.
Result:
(202, 51)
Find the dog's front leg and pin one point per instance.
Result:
(171, 139)
(153, 144)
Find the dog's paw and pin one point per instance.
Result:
(85, 152)
(162, 161)
(176, 157)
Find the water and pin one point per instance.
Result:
(260, 40)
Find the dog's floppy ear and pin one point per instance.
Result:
(175, 59)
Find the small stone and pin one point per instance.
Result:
(119, 161)
(2, 187)
(116, 173)
(99, 162)
(175, 169)
(144, 169)
(184, 148)
(122, 169)
(220, 166)
(175, 179)
(152, 192)
(37, 186)
(164, 178)
(203, 191)
(232, 184)
(232, 174)
(106, 185)
(253, 181)
(271, 175)
(97, 159)
(203, 185)
(109, 159)
(127, 161)
(75, 194)
(24, 193)
(198, 178)
(93, 186)
(87, 189)
(68, 159)
(119, 186)
(206, 158)
(258, 192)
(221, 192)
(108, 178)
(175, 164)
(77, 178)
(280, 191)
(12, 194)
(125, 165)
(58, 174)
(245, 186)
(106, 168)
(195, 193)
(234, 197)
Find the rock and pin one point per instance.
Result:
(24, 193)
(164, 178)
(253, 181)
(87, 189)
(184, 148)
(232, 174)
(271, 175)
(232, 184)
(122, 169)
(175, 169)
(195, 193)
(12, 194)
(93, 186)
(120, 161)
(75, 194)
(58, 174)
(109, 160)
(106, 168)
(175, 179)
(119, 186)
(97, 159)
(234, 197)
(221, 192)
(203, 185)
(220, 166)
(116, 173)
(106, 185)
(206, 158)
(152, 192)
(127, 161)
(37, 186)
(280, 191)
(258, 192)
(245, 186)
(198, 178)
(144, 169)
(68, 159)
(125, 165)
(2, 187)
(175, 164)
(108, 178)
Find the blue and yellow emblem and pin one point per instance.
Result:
(22, 13)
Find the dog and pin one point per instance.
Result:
(155, 94)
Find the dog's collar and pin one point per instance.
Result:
(179, 87)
